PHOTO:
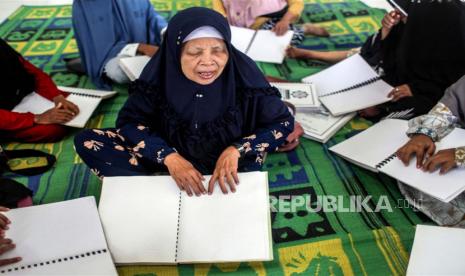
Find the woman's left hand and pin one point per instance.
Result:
(65, 104)
(444, 159)
(281, 27)
(400, 92)
(226, 171)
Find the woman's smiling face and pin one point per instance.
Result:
(203, 59)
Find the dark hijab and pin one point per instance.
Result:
(164, 70)
(427, 53)
(238, 103)
(16, 82)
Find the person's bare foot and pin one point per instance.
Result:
(298, 53)
(312, 29)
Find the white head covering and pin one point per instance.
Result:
(203, 32)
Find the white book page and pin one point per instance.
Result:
(346, 73)
(227, 228)
(298, 94)
(268, 47)
(443, 187)
(357, 99)
(140, 216)
(437, 251)
(87, 106)
(54, 231)
(34, 103)
(241, 38)
(321, 127)
(90, 92)
(369, 148)
(133, 66)
(37, 104)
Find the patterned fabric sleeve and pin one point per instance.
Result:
(147, 144)
(267, 140)
(132, 123)
(436, 124)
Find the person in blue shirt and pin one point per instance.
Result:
(107, 30)
(200, 107)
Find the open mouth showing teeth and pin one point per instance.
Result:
(206, 75)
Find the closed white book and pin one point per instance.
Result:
(301, 95)
(133, 66)
(321, 127)
(349, 86)
(375, 148)
(64, 238)
(261, 45)
(148, 220)
(437, 251)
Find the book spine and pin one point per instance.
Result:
(250, 43)
(358, 85)
(25, 267)
(84, 95)
(386, 161)
(177, 228)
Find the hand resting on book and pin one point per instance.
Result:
(423, 148)
(6, 244)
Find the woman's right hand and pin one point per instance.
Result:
(390, 20)
(56, 115)
(421, 146)
(185, 175)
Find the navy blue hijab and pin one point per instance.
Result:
(239, 103)
(164, 70)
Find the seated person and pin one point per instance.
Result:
(276, 15)
(406, 57)
(20, 78)
(200, 107)
(424, 132)
(107, 30)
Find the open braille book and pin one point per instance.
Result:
(148, 220)
(63, 238)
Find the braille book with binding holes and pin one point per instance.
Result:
(86, 99)
(167, 226)
(349, 86)
(374, 149)
(64, 238)
(261, 45)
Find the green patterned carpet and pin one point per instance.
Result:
(305, 243)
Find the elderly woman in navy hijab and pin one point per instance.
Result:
(200, 107)
(107, 30)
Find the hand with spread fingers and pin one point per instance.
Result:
(443, 160)
(421, 146)
(185, 175)
(226, 171)
(56, 115)
(65, 104)
(6, 244)
(400, 92)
